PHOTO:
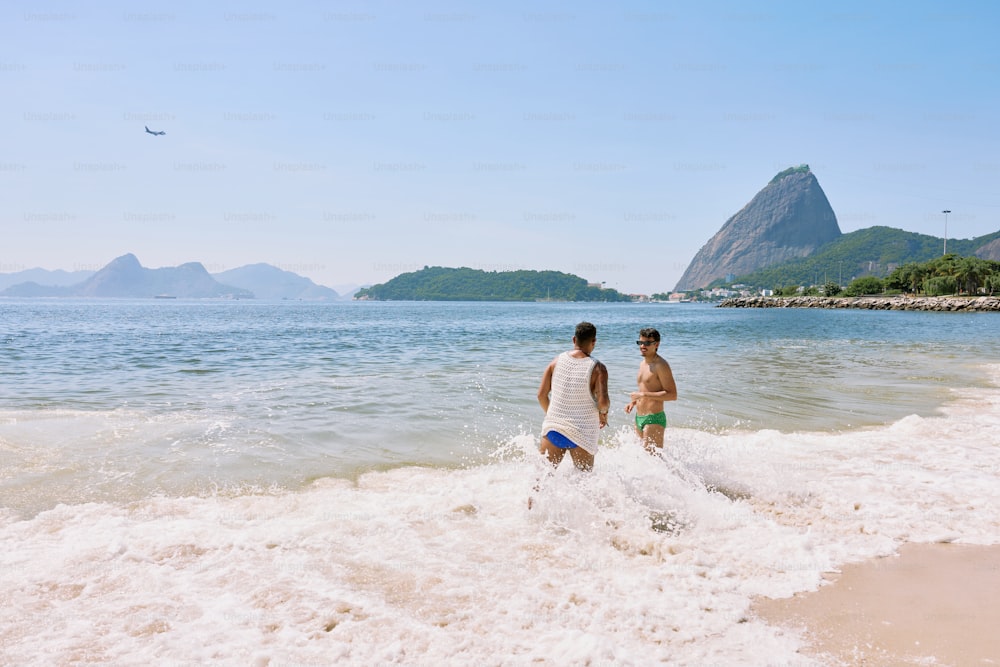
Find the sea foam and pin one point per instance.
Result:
(647, 559)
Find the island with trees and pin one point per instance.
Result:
(436, 283)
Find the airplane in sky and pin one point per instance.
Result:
(151, 132)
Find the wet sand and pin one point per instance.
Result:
(933, 604)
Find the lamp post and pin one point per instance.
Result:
(945, 232)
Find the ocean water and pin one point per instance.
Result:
(244, 483)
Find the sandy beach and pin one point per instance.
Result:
(929, 604)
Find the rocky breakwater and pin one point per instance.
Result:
(933, 303)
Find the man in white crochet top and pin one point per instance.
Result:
(574, 395)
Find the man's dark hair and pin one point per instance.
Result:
(585, 332)
(650, 332)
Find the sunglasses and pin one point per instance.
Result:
(646, 343)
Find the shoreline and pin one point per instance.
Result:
(979, 304)
(927, 604)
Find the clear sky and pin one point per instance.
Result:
(353, 141)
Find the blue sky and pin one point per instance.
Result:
(353, 141)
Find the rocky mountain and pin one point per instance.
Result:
(270, 282)
(990, 251)
(790, 218)
(126, 277)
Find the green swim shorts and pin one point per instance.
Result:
(657, 418)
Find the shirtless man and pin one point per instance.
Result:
(656, 385)
(574, 395)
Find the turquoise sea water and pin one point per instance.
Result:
(306, 444)
(283, 392)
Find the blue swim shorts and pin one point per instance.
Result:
(560, 440)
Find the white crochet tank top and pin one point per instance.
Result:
(572, 408)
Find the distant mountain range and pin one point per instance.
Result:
(788, 235)
(125, 277)
(58, 278)
(270, 282)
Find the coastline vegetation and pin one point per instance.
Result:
(949, 274)
(876, 251)
(943, 276)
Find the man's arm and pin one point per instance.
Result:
(545, 388)
(666, 378)
(599, 388)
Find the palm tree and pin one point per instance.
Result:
(972, 272)
(963, 272)
(910, 276)
(992, 283)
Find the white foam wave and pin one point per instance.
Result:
(644, 560)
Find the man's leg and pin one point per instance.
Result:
(552, 453)
(582, 459)
(652, 437)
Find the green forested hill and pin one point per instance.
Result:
(871, 251)
(446, 284)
